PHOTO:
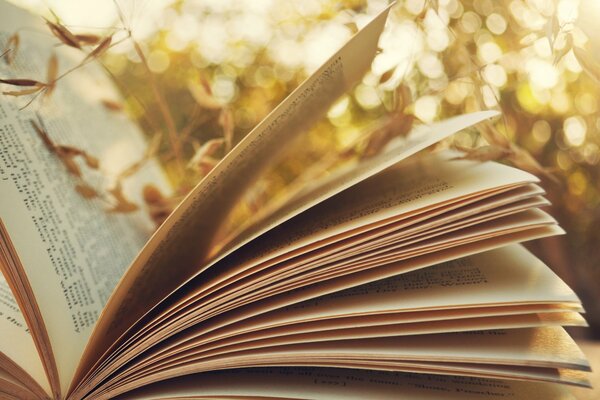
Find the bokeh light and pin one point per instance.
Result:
(538, 61)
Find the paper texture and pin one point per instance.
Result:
(73, 250)
(185, 237)
(335, 384)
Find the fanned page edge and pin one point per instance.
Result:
(312, 384)
(366, 41)
(428, 135)
(521, 175)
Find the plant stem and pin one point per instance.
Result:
(164, 109)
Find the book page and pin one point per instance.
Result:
(507, 276)
(9, 309)
(72, 249)
(205, 309)
(262, 288)
(208, 357)
(338, 251)
(289, 276)
(19, 349)
(500, 278)
(453, 177)
(10, 388)
(315, 192)
(185, 237)
(545, 347)
(520, 222)
(402, 191)
(311, 291)
(344, 384)
(463, 370)
(383, 326)
(541, 346)
(138, 343)
(515, 353)
(390, 201)
(369, 275)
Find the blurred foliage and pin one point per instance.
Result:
(534, 60)
(220, 66)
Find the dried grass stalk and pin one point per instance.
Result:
(483, 153)
(202, 93)
(51, 75)
(203, 160)
(159, 206)
(398, 125)
(22, 82)
(88, 39)
(86, 191)
(99, 50)
(228, 125)
(112, 105)
(63, 34)
(121, 203)
(589, 65)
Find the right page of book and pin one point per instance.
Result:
(407, 189)
(344, 384)
(507, 276)
(185, 237)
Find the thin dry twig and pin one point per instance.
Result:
(86, 191)
(202, 93)
(398, 124)
(483, 153)
(589, 65)
(163, 107)
(162, 104)
(37, 88)
(65, 153)
(99, 50)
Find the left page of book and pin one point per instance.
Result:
(18, 356)
(71, 250)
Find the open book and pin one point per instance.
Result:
(384, 277)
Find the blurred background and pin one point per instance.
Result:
(220, 66)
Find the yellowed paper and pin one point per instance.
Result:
(18, 346)
(506, 276)
(73, 250)
(204, 357)
(335, 384)
(184, 238)
(401, 191)
(542, 346)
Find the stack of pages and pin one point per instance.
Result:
(386, 277)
